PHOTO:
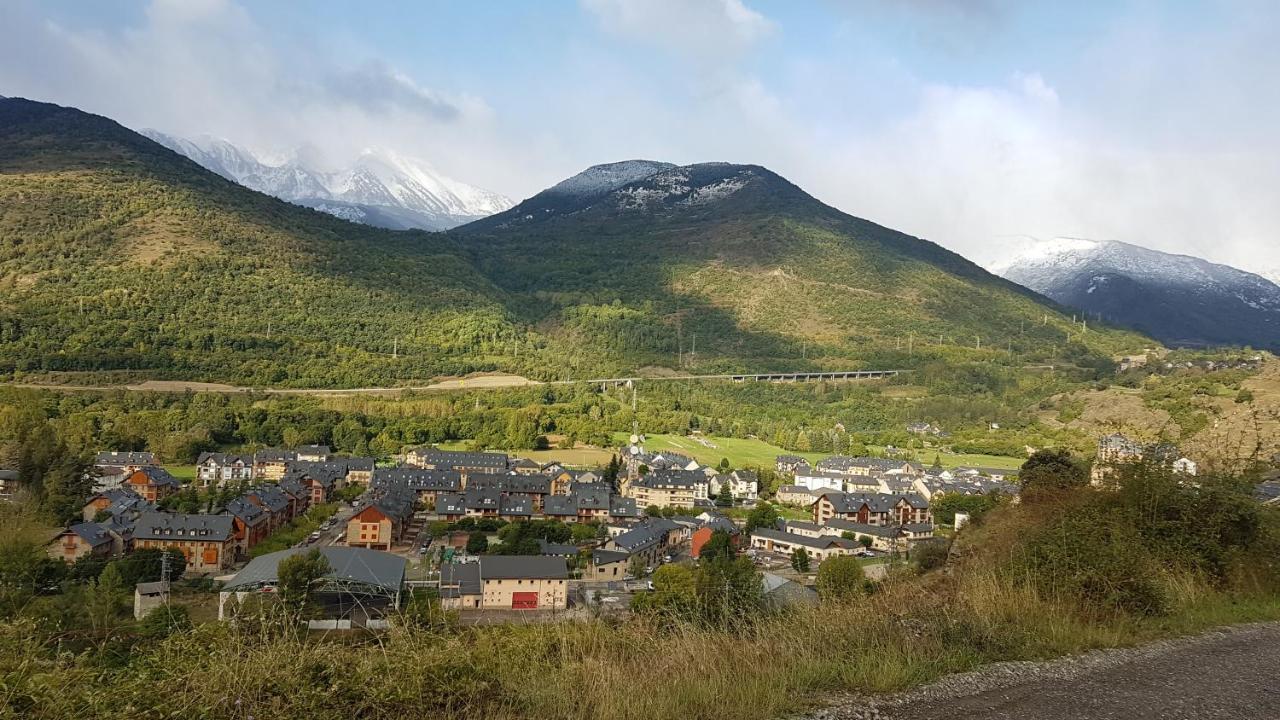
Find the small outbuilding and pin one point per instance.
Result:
(148, 596)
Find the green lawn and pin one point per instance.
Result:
(951, 460)
(184, 473)
(740, 452)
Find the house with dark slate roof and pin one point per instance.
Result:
(207, 541)
(383, 520)
(215, 469)
(152, 483)
(819, 548)
(427, 484)
(871, 508)
(321, 478)
(84, 539)
(650, 539)
(607, 566)
(122, 463)
(270, 463)
(465, 463)
(506, 582)
(669, 488)
(253, 526)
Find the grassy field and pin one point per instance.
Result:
(740, 452)
(184, 473)
(950, 460)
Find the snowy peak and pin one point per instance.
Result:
(643, 186)
(1179, 299)
(600, 179)
(379, 188)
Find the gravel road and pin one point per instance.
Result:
(1231, 673)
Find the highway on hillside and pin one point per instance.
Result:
(478, 382)
(1228, 674)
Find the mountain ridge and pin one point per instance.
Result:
(1179, 299)
(379, 187)
(118, 254)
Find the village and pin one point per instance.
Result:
(491, 536)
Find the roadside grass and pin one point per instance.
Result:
(912, 632)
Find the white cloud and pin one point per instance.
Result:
(191, 68)
(709, 29)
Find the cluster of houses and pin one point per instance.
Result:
(124, 514)
(1116, 451)
(884, 476)
(668, 479)
(845, 523)
(858, 503)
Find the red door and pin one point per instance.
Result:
(524, 601)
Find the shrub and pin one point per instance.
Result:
(931, 555)
(841, 577)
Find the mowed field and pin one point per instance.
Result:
(740, 452)
(184, 473)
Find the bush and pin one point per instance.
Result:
(1051, 470)
(1096, 561)
(841, 577)
(931, 555)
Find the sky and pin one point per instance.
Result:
(982, 125)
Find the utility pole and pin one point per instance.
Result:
(164, 574)
(911, 343)
(395, 348)
(979, 338)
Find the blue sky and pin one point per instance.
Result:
(978, 124)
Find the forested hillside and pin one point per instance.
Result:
(716, 262)
(118, 254)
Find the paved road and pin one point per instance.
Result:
(1230, 674)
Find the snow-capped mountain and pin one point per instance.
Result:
(380, 188)
(635, 187)
(1178, 299)
(600, 179)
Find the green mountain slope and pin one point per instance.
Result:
(759, 273)
(117, 254)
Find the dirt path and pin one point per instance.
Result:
(1231, 673)
(476, 382)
